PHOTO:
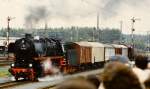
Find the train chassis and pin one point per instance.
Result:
(25, 73)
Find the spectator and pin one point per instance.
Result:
(94, 80)
(78, 83)
(141, 62)
(141, 68)
(118, 76)
(147, 83)
(120, 58)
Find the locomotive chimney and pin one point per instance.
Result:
(28, 36)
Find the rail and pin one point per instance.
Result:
(12, 84)
(96, 72)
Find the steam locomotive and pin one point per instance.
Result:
(31, 54)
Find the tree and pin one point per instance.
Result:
(110, 35)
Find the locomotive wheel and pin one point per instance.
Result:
(32, 77)
(16, 78)
(25, 78)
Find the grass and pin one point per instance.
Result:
(4, 72)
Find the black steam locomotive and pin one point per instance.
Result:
(30, 52)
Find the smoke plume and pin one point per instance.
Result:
(35, 15)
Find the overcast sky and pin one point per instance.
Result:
(69, 13)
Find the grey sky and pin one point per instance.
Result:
(69, 13)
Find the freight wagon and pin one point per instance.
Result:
(89, 54)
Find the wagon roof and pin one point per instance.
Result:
(118, 46)
(83, 43)
(109, 46)
(96, 44)
(90, 44)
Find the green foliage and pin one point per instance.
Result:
(110, 35)
(105, 35)
(71, 34)
(4, 72)
(139, 44)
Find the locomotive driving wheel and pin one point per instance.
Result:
(16, 78)
(32, 76)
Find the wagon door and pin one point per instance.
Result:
(72, 57)
(109, 51)
(85, 55)
(118, 51)
(125, 52)
(97, 54)
(88, 55)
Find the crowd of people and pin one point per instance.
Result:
(116, 75)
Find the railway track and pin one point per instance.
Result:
(12, 84)
(49, 87)
(84, 74)
(5, 62)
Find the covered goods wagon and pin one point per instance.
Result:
(78, 53)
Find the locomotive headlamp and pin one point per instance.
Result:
(12, 65)
(30, 65)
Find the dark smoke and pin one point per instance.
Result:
(68, 10)
(35, 15)
(110, 9)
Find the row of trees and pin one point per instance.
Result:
(70, 34)
(105, 35)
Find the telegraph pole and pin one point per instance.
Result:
(46, 27)
(132, 35)
(148, 41)
(8, 28)
(98, 21)
(121, 23)
(7, 36)
(97, 27)
(8, 31)
(133, 29)
(99, 31)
